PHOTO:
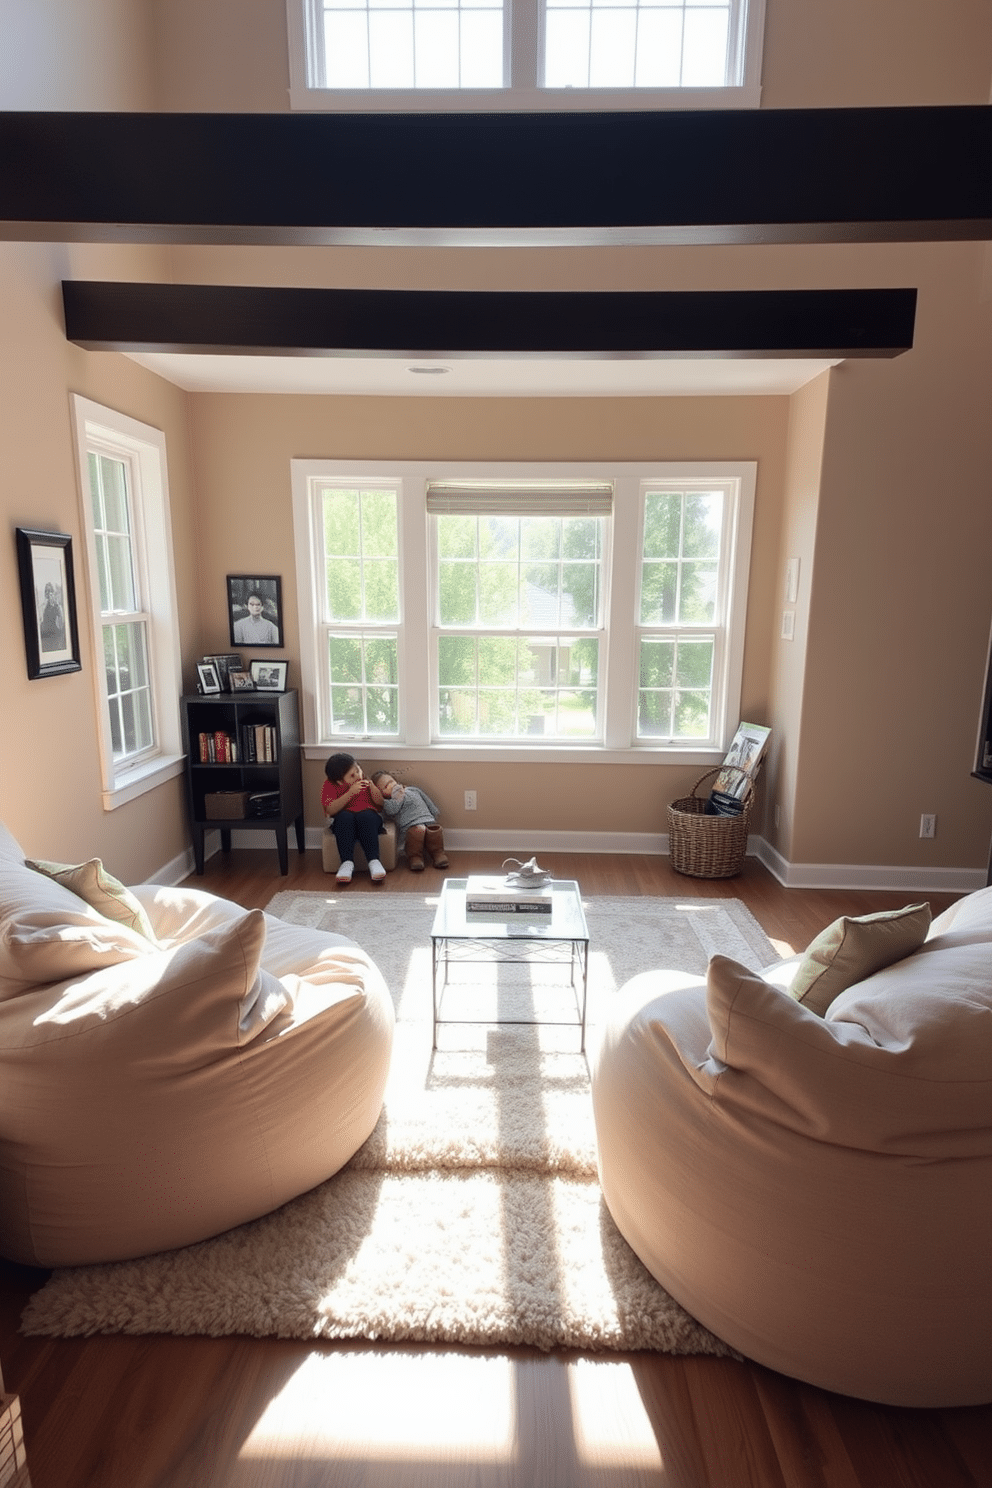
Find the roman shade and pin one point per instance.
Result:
(520, 498)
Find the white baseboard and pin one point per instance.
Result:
(172, 873)
(866, 875)
(524, 844)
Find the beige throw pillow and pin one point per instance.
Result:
(100, 890)
(855, 947)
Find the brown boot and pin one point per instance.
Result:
(434, 842)
(414, 847)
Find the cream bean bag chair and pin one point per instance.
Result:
(816, 1187)
(171, 1065)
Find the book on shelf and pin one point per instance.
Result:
(258, 741)
(218, 748)
(493, 898)
(739, 770)
(263, 803)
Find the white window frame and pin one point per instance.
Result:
(621, 586)
(321, 627)
(105, 431)
(523, 94)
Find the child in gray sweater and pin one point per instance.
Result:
(416, 816)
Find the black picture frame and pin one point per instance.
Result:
(241, 588)
(48, 602)
(208, 680)
(269, 676)
(224, 664)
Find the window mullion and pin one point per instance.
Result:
(524, 43)
(621, 578)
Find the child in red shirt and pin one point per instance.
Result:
(350, 802)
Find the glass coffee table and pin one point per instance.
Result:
(459, 938)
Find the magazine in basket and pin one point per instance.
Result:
(740, 767)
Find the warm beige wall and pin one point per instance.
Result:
(243, 446)
(226, 56)
(876, 53)
(901, 602)
(804, 454)
(75, 54)
(50, 780)
(232, 54)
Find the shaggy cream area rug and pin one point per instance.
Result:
(472, 1215)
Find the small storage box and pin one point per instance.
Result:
(225, 805)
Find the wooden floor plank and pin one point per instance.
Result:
(268, 1413)
(804, 1430)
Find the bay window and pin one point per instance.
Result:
(573, 611)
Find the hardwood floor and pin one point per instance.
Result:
(244, 1413)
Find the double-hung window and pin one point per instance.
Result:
(576, 612)
(519, 608)
(570, 54)
(359, 609)
(125, 512)
(686, 531)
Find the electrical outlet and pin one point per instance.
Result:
(928, 826)
(471, 801)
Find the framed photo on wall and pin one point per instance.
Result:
(269, 676)
(254, 607)
(48, 602)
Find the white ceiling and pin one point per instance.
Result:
(480, 377)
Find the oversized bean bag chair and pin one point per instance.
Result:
(816, 1186)
(171, 1065)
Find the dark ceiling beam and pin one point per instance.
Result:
(252, 321)
(756, 176)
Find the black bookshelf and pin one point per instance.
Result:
(241, 787)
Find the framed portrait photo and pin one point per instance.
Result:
(240, 682)
(207, 675)
(48, 602)
(254, 608)
(269, 676)
(224, 665)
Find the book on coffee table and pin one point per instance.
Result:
(492, 898)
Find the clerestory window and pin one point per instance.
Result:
(534, 54)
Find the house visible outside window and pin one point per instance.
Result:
(680, 610)
(573, 612)
(518, 598)
(561, 54)
(125, 512)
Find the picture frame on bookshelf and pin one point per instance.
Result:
(209, 681)
(269, 676)
(48, 602)
(241, 681)
(224, 664)
(254, 607)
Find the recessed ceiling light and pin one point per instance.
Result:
(429, 371)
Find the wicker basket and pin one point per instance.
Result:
(702, 846)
